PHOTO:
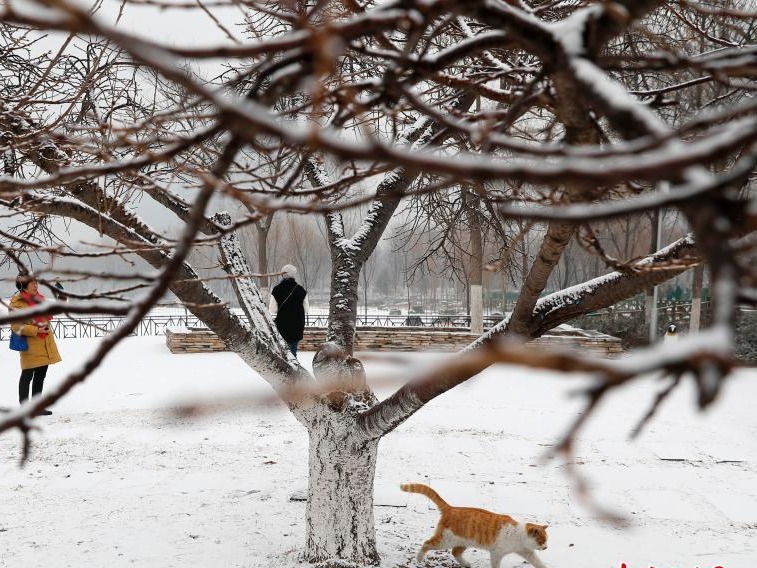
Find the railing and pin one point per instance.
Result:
(156, 324)
(413, 320)
(99, 326)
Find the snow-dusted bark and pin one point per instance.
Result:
(348, 255)
(342, 463)
(266, 337)
(604, 291)
(597, 24)
(552, 247)
(345, 274)
(339, 513)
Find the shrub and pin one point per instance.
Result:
(628, 327)
(746, 335)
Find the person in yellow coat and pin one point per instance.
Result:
(42, 349)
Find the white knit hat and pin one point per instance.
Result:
(289, 270)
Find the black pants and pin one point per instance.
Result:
(35, 377)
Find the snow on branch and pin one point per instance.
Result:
(262, 347)
(683, 193)
(620, 107)
(693, 354)
(386, 198)
(249, 119)
(316, 172)
(549, 312)
(604, 291)
(128, 229)
(260, 322)
(653, 166)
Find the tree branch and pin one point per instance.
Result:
(548, 313)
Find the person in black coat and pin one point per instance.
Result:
(289, 304)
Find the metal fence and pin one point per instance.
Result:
(156, 324)
(414, 320)
(100, 326)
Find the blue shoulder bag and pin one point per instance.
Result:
(19, 342)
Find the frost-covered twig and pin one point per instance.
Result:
(659, 399)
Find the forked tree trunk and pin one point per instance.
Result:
(340, 521)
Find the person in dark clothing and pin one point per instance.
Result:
(289, 304)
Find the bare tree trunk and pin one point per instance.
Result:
(505, 284)
(567, 261)
(649, 306)
(340, 522)
(365, 294)
(475, 272)
(263, 230)
(524, 262)
(627, 240)
(696, 299)
(342, 459)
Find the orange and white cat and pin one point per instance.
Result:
(464, 527)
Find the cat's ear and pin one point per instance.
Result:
(545, 527)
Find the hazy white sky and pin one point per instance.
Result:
(175, 26)
(185, 27)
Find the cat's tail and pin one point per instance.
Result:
(427, 491)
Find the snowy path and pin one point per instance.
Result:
(115, 480)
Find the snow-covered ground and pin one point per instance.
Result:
(115, 479)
